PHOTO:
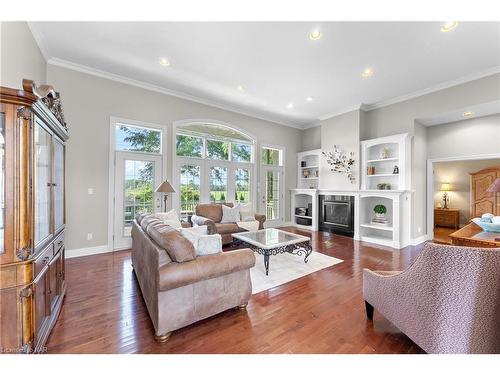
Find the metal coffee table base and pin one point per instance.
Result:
(303, 248)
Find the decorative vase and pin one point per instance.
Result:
(385, 152)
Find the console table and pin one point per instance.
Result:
(473, 235)
(447, 217)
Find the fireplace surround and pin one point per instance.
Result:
(336, 214)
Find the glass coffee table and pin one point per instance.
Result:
(273, 241)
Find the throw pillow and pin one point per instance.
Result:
(246, 212)
(230, 214)
(170, 218)
(204, 244)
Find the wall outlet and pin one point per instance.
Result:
(419, 230)
(89, 236)
(90, 191)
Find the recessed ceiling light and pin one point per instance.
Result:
(164, 61)
(367, 73)
(309, 98)
(448, 26)
(240, 88)
(468, 114)
(289, 105)
(315, 35)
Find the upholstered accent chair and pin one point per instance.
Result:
(210, 214)
(179, 287)
(447, 301)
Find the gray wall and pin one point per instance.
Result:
(89, 102)
(343, 131)
(457, 174)
(311, 138)
(464, 138)
(20, 56)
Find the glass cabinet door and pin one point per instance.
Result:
(42, 182)
(59, 184)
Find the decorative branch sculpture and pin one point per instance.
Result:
(339, 162)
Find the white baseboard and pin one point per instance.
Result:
(74, 253)
(421, 239)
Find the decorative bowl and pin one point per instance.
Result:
(487, 227)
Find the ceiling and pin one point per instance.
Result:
(276, 63)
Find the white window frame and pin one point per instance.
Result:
(113, 121)
(281, 168)
(206, 163)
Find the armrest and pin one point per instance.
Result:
(175, 275)
(261, 218)
(200, 220)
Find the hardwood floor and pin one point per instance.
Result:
(322, 312)
(442, 235)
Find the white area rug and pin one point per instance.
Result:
(287, 267)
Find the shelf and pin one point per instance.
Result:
(315, 166)
(304, 216)
(383, 175)
(379, 160)
(381, 227)
(309, 178)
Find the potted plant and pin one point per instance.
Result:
(380, 211)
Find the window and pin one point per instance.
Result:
(138, 191)
(273, 194)
(241, 152)
(189, 146)
(271, 156)
(217, 149)
(242, 185)
(218, 184)
(189, 188)
(134, 138)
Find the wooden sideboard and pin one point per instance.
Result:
(32, 268)
(474, 236)
(483, 202)
(447, 217)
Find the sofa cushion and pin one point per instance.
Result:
(203, 268)
(228, 228)
(179, 248)
(212, 211)
(147, 220)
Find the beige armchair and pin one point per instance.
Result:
(447, 301)
(210, 214)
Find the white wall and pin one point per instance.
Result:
(20, 56)
(311, 138)
(343, 131)
(457, 173)
(89, 102)
(474, 136)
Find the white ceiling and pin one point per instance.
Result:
(276, 62)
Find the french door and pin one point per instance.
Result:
(136, 177)
(272, 194)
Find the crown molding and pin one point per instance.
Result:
(441, 86)
(162, 90)
(402, 98)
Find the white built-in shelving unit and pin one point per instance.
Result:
(306, 193)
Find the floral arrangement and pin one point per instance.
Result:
(339, 162)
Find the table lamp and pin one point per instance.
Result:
(495, 188)
(445, 188)
(166, 189)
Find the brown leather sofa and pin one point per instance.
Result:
(210, 214)
(180, 288)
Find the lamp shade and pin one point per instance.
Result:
(445, 187)
(495, 186)
(165, 187)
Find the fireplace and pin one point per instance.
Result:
(336, 214)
